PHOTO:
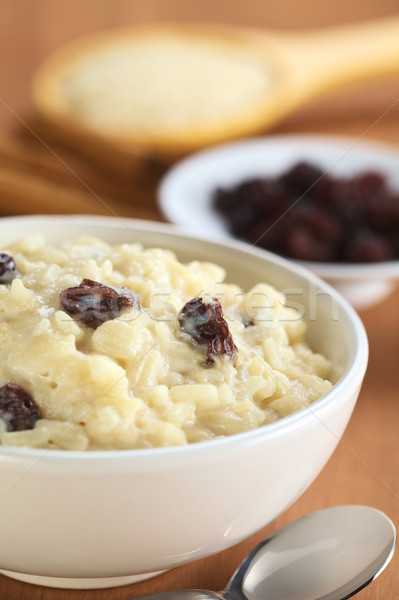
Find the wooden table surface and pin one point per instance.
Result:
(365, 467)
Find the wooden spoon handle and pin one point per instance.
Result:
(324, 59)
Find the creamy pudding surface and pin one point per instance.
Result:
(122, 347)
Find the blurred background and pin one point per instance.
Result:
(30, 30)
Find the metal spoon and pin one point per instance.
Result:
(329, 554)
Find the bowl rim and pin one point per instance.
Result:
(335, 270)
(352, 377)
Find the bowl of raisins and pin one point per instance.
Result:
(328, 202)
(95, 517)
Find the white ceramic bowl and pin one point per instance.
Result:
(98, 519)
(186, 191)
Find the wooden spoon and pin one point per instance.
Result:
(267, 74)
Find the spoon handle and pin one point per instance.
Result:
(182, 595)
(324, 59)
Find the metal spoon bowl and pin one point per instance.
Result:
(330, 554)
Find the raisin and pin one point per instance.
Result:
(94, 303)
(368, 247)
(8, 268)
(250, 201)
(370, 185)
(302, 178)
(322, 224)
(270, 233)
(383, 216)
(346, 200)
(302, 244)
(308, 215)
(17, 408)
(205, 323)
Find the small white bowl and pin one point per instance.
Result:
(185, 193)
(100, 519)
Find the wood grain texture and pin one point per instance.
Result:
(365, 467)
